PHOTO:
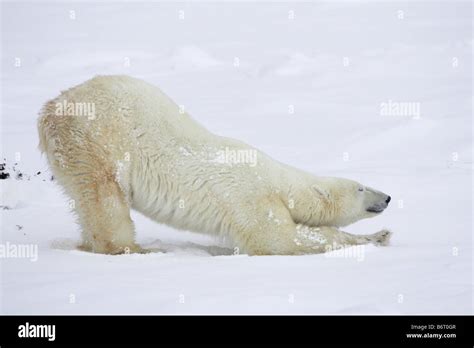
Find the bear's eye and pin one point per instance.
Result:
(361, 189)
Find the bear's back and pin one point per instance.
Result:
(126, 105)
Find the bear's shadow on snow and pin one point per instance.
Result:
(156, 246)
(189, 248)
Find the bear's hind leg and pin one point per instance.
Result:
(101, 207)
(105, 218)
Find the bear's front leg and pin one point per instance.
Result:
(331, 237)
(275, 233)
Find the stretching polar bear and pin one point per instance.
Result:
(116, 143)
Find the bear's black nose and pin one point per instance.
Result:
(388, 199)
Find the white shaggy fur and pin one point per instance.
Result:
(139, 150)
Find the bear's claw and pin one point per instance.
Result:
(382, 238)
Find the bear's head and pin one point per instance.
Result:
(341, 202)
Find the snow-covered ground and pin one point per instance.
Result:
(313, 84)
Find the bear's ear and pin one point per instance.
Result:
(322, 192)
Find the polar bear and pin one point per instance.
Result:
(116, 143)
